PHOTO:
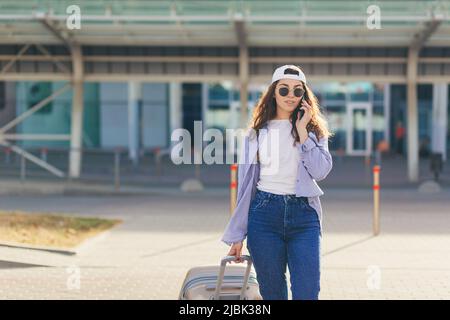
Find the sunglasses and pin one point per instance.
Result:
(284, 91)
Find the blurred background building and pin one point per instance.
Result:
(137, 70)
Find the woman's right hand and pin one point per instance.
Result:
(236, 250)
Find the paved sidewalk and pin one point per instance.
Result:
(163, 235)
(348, 172)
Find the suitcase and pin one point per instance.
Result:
(221, 283)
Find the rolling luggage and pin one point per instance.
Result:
(220, 283)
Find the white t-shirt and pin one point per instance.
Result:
(279, 159)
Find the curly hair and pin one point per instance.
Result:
(266, 110)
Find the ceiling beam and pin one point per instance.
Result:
(423, 35)
(60, 33)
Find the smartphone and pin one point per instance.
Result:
(296, 111)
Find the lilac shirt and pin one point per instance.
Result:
(314, 165)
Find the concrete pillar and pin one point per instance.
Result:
(244, 80)
(440, 119)
(76, 129)
(134, 103)
(412, 115)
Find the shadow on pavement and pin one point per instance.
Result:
(354, 243)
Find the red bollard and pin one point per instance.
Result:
(233, 187)
(376, 200)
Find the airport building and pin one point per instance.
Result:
(135, 71)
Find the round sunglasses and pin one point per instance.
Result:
(284, 91)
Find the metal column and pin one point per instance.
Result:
(243, 67)
(417, 43)
(413, 125)
(440, 119)
(134, 102)
(76, 130)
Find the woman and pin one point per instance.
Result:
(278, 206)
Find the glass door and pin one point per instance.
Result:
(359, 131)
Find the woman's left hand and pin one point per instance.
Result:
(302, 123)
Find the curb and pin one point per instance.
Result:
(68, 252)
(64, 251)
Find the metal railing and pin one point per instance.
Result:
(108, 166)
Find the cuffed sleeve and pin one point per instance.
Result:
(316, 157)
(307, 145)
(230, 243)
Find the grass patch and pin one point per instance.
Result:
(50, 229)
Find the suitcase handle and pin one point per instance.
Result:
(223, 264)
(225, 286)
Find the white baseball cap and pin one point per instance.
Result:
(279, 73)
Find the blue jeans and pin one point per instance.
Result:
(284, 230)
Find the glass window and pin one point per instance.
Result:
(335, 92)
(425, 118)
(37, 92)
(217, 119)
(217, 113)
(219, 97)
(335, 96)
(359, 130)
(337, 118)
(377, 125)
(448, 122)
(425, 106)
(359, 91)
(425, 92)
(2, 95)
(218, 93)
(237, 95)
(378, 93)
